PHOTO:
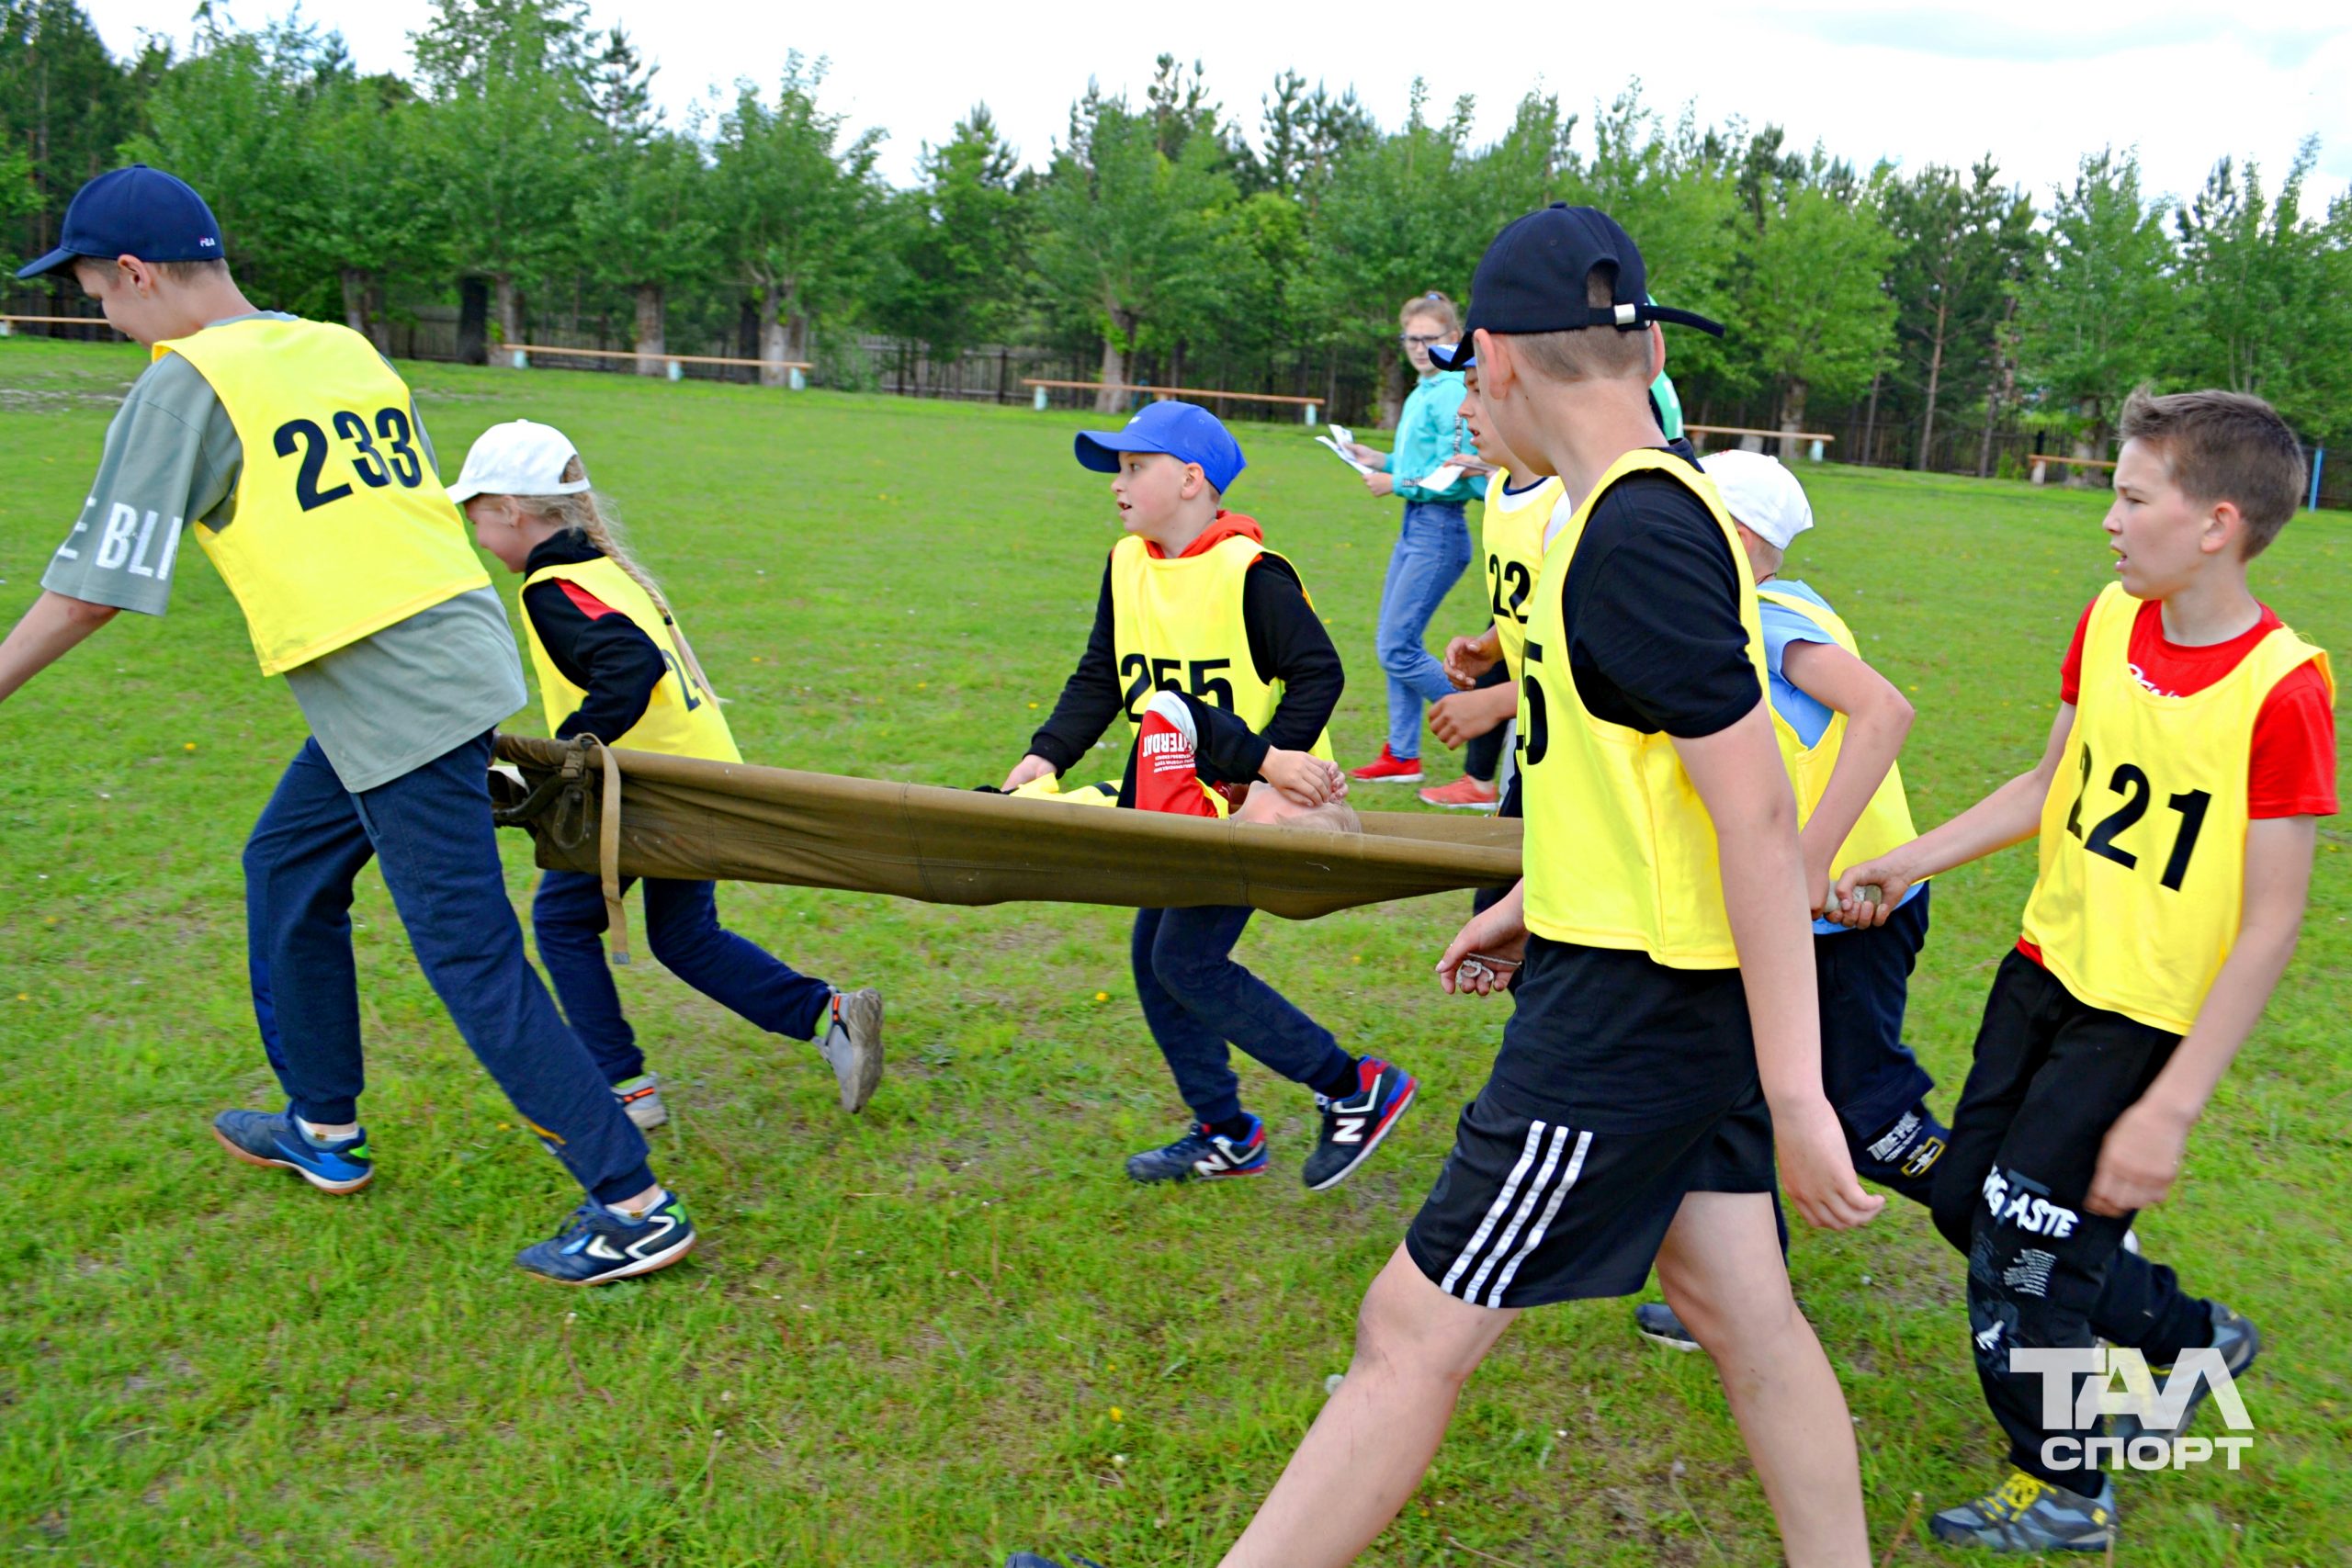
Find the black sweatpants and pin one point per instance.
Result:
(2051, 1076)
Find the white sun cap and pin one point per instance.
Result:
(1758, 491)
(519, 458)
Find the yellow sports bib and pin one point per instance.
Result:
(1620, 851)
(1176, 626)
(681, 718)
(340, 528)
(1511, 535)
(2142, 876)
(1886, 820)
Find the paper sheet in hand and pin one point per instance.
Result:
(1339, 441)
(1439, 478)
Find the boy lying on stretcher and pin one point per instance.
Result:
(1178, 735)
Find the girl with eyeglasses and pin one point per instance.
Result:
(1433, 544)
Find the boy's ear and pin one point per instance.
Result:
(1497, 374)
(2223, 525)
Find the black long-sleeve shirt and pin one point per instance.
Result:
(597, 648)
(1288, 642)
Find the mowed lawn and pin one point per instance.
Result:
(951, 1327)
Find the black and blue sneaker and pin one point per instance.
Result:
(598, 1246)
(272, 1137)
(1353, 1127)
(2027, 1514)
(1656, 1322)
(2234, 1337)
(1204, 1154)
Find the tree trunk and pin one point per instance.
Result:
(1870, 425)
(510, 308)
(747, 331)
(1935, 376)
(2087, 443)
(2005, 378)
(355, 298)
(473, 321)
(1392, 386)
(650, 336)
(1176, 364)
(774, 347)
(1792, 418)
(1115, 371)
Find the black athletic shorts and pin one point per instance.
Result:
(1529, 1211)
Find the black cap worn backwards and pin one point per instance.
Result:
(1531, 279)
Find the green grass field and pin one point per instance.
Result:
(951, 1327)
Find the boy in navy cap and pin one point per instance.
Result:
(1665, 1034)
(291, 451)
(1193, 602)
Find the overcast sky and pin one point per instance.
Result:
(2034, 84)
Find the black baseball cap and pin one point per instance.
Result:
(1531, 279)
(136, 211)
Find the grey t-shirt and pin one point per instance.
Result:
(381, 706)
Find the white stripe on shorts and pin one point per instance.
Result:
(1519, 1217)
(1535, 1236)
(1501, 1206)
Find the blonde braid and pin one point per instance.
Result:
(588, 512)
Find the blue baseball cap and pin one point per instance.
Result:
(1531, 279)
(136, 211)
(1186, 432)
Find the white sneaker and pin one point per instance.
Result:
(641, 1097)
(853, 1045)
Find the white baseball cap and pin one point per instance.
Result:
(519, 458)
(1757, 491)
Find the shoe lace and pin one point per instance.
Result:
(576, 1222)
(2019, 1494)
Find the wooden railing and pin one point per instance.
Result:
(1818, 439)
(518, 356)
(1310, 408)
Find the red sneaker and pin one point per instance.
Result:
(1464, 793)
(1389, 769)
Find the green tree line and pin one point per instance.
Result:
(521, 168)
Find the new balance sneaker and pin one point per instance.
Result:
(852, 1045)
(2234, 1337)
(1464, 793)
(271, 1137)
(1389, 768)
(1203, 1155)
(1656, 1322)
(1353, 1127)
(598, 1246)
(2025, 1512)
(641, 1097)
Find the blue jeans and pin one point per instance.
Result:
(1195, 998)
(1433, 550)
(681, 927)
(431, 833)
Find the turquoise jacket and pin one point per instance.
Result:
(1427, 438)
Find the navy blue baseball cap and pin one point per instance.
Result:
(136, 211)
(1531, 279)
(1186, 432)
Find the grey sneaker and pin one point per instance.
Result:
(2234, 1337)
(640, 1098)
(853, 1045)
(1656, 1322)
(2025, 1512)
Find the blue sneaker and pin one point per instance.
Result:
(1202, 1154)
(1353, 1127)
(598, 1246)
(1031, 1560)
(270, 1137)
